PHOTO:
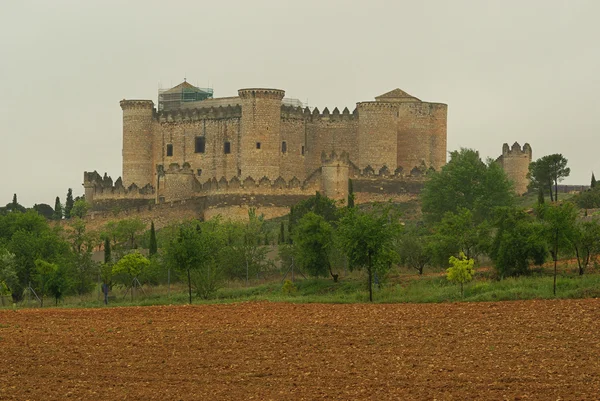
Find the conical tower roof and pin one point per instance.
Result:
(396, 95)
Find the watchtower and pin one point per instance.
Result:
(137, 142)
(260, 132)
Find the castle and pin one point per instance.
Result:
(260, 149)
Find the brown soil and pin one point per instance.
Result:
(542, 350)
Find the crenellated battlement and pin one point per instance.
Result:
(197, 114)
(290, 112)
(265, 93)
(516, 150)
(101, 187)
(136, 104)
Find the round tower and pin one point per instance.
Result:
(515, 162)
(137, 142)
(260, 132)
(377, 137)
(421, 135)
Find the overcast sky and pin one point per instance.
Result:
(526, 71)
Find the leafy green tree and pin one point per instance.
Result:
(415, 248)
(59, 283)
(196, 252)
(245, 256)
(518, 241)
(466, 182)
(548, 170)
(593, 182)
(350, 193)
(461, 271)
(14, 206)
(44, 273)
(29, 237)
(459, 232)
(128, 230)
(69, 204)
(367, 237)
(79, 209)
(153, 248)
(128, 268)
(313, 239)
(560, 230)
(44, 210)
(589, 199)
(8, 273)
(58, 212)
(586, 243)
(318, 204)
(83, 267)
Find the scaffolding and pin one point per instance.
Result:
(173, 98)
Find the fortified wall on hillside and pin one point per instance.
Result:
(261, 149)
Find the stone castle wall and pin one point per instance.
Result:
(257, 144)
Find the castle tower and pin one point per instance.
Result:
(260, 132)
(515, 163)
(334, 175)
(421, 130)
(377, 135)
(138, 164)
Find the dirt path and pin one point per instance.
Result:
(542, 350)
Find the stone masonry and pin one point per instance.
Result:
(515, 162)
(256, 143)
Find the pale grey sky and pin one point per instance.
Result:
(510, 70)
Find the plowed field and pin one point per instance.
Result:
(538, 350)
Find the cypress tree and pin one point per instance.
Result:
(282, 233)
(57, 209)
(593, 183)
(15, 204)
(107, 252)
(350, 194)
(153, 245)
(69, 204)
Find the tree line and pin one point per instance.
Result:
(469, 214)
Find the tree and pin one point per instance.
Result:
(548, 170)
(79, 209)
(44, 210)
(560, 230)
(153, 248)
(367, 237)
(415, 248)
(586, 243)
(466, 182)
(58, 214)
(281, 239)
(313, 237)
(518, 241)
(593, 183)
(458, 232)
(14, 206)
(350, 193)
(69, 204)
(44, 272)
(127, 230)
(107, 251)
(318, 204)
(461, 271)
(8, 273)
(128, 268)
(195, 252)
(244, 255)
